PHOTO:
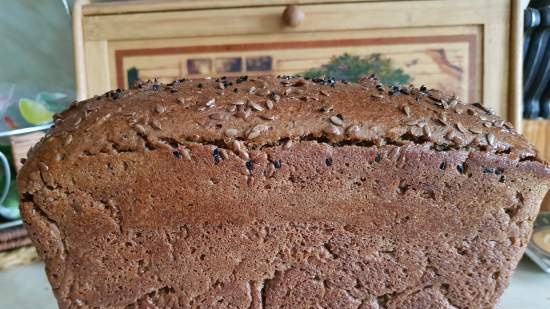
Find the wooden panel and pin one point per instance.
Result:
(327, 17)
(515, 107)
(136, 6)
(496, 64)
(20, 145)
(445, 60)
(538, 133)
(78, 46)
(97, 65)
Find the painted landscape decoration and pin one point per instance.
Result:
(352, 68)
(343, 67)
(443, 62)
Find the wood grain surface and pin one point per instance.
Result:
(538, 132)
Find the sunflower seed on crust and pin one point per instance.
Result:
(352, 130)
(236, 146)
(185, 153)
(230, 132)
(160, 109)
(256, 131)
(216, 116)
(407, 110)
(332, 130)
(337, 120)
(139, 129)
(427, 131)
(255, 106)
(156, 124)
(288, 144)
(211, 103)
(460, 127)
(491, 139)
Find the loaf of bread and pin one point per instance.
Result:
(280, 192)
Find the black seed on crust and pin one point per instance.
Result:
(328, 161)
(116, 95)
(217, 154)
(395, 91)
(249, 165)
(378, 158)
(242, 78)
(177, 154)
(277, 163)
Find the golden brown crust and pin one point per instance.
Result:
(218, 111)
(328, 194)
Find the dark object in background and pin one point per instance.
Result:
(530, 59)
(14, 237)
(536, 75)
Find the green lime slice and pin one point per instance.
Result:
(34, 112)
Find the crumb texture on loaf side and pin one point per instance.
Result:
(280, 193)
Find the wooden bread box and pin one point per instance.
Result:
(469, 47)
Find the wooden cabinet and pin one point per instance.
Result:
(466, 47)
(469, 47)
(538, 132)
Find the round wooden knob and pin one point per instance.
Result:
(293, 16)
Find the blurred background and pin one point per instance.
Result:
(36, 80)
(56, 51)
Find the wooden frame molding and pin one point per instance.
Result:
(470, 39)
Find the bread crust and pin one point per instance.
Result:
(330, 194)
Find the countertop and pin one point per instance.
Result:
(26, 287)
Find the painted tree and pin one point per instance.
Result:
(352, 68)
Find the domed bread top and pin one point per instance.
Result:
(256, 112)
